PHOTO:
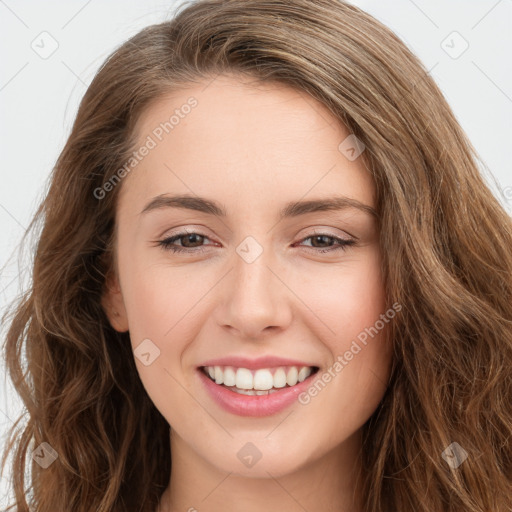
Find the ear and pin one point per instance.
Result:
(113, 304)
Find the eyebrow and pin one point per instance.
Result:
(291, 209)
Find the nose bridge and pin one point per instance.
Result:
(251, 273)
(255, 299)
(252, 278)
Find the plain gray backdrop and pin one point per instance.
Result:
(51, 50)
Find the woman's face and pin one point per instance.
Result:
(266, 271)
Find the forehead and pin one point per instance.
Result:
(243, 142)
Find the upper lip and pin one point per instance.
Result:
(255, 364)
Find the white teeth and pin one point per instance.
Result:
(244, 379)
(262, 381)
(279, 378)
(229, 376)
(304, 373)
(291, 377)
(219, 375)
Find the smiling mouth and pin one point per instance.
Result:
(263, 381)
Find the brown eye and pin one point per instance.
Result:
(322, 239)
(191, 239)
(320, 242)
(190, 242)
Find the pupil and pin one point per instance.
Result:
(191, 236)
(317, 237)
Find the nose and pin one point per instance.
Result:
(254, 300)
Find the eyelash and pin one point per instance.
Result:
(167, 244)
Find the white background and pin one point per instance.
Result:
(39, 97)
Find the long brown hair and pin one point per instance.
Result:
(447, 258)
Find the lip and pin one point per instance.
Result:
(255, 364)
(257, 405)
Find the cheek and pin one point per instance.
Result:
(159, 302)
(361, 301)
(350, 303)
(346, 299)
(159, 299)
(160, 307)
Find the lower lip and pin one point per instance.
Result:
(256, 405)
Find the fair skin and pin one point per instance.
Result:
(252, 149)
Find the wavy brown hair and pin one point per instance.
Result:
(447, 259)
